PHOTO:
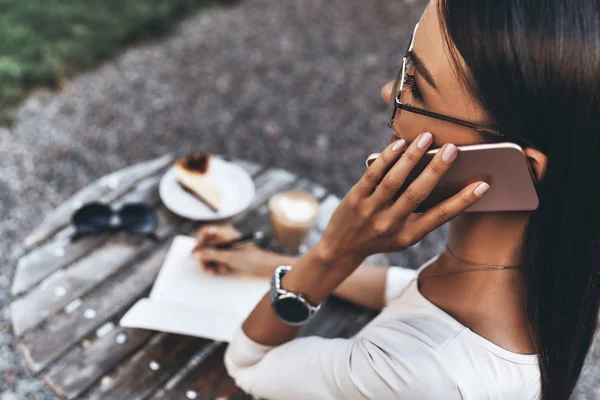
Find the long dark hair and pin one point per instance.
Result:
(535, 68)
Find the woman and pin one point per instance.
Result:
(455, 328)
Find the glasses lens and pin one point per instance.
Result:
(92, 218)
(395, 93)
(398, 85)
(138, 218)
(410, 67)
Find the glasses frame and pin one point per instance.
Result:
(396, 103)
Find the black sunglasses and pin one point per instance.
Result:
(396, 103)
(136, 218)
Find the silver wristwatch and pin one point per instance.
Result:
(291, 308)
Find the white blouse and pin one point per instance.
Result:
(411, 350)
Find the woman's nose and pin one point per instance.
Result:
(386, 91)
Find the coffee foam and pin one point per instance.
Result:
(294, 207)
(295, 210)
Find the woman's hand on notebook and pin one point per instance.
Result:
(245, 259)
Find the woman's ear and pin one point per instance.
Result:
(538, 162)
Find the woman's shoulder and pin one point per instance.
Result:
(414, 317)
(416, 338)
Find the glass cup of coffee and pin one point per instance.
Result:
(293, 214)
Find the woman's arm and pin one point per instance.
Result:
(366, 286)
(316, 274)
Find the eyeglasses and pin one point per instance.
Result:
(93, 218)
(396, 103)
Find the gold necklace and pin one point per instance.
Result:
(483, 267)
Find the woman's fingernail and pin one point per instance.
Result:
(449, 152)
(481, 189)
(425, 140)
(398, 144)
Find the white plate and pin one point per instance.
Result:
(237, 193)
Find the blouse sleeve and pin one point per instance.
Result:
(397, 280)
(362, 367)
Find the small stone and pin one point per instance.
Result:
(72, 306)
(121, 338)
(322, 143)
(105, 329)
(154, 366)
(285, 44)
(113, 183)
(319, 191)
(11, 396)
(222, 83)
(271, 128)
(190, 394)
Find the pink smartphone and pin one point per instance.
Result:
(502, 165)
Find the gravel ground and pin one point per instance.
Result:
(288, 84)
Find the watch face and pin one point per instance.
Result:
(291, 310)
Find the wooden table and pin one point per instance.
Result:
(69, 296)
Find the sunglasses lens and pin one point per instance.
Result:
(92, 218)
(138, 218)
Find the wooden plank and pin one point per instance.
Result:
(62, 287)
(209, 379)
(204, 379)
(182, 388)
(355, 323)
(271, 181)
(251, 167)
(88, 364)
(241, 395)
(306, 185)
(328, 320)
(56, 254)
(149, 369)
(42, 346)
(107, 188)
(44, 334)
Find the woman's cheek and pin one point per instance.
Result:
(406, 130)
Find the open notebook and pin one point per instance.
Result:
(189, 301)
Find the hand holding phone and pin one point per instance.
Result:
(502, 165)
(368, 220)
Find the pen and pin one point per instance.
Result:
(245, 239)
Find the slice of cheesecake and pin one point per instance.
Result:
(195, 173)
